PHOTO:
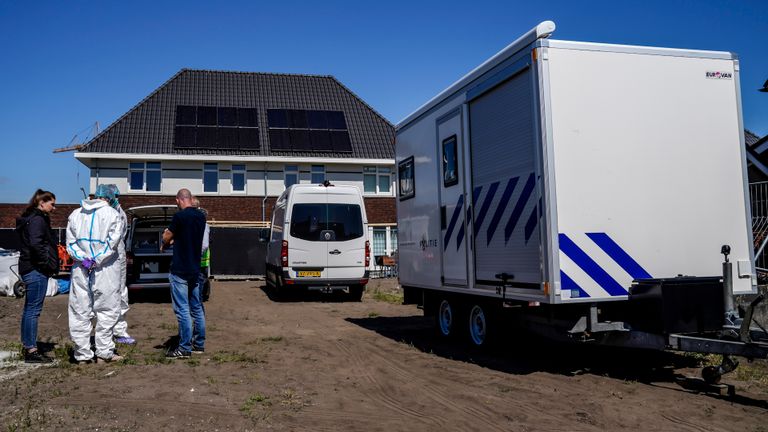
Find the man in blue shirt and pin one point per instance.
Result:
(186, 233)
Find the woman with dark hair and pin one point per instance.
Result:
(38, 261)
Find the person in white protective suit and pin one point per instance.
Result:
(121, 328)
(93, 235)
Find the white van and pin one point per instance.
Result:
(318, 240)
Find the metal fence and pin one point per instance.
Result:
(758, 195)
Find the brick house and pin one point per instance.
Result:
(236, 140)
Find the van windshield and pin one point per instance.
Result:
(308, 221)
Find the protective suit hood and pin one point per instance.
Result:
(93, 205)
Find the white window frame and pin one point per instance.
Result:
(207, 170)
(244, 173)
(316, 170)
(143, 170)
(378, 173)
(290, 170)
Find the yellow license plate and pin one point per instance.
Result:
(309, 274)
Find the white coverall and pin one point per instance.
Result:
(93, 231)
(121, 328)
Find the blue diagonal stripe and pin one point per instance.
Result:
(618, 254)
(568, 284)
(503, 202)
(486, 205)
(476, 194)
(452, 224)
(519, 206)
(460, 235)
(590, 267)
(530, 226)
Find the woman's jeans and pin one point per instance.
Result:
(37, 285)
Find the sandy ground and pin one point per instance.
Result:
(319, 365)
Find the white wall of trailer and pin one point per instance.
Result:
(635, 160)
(648, 167)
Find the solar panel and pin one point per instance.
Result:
(317, 120)
(277, 118)
(206, 137)
(206, 116)
(247, 117)
(186, 115)
(321, 140)
(227, 138)
(279, 139)
(340, 141)
(297, 119)
(227, 116)
(335, 120)
(249, 138)
(300, 140)
(184, 136)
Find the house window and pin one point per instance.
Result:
(406, 179)
(154, 176)
(291, 175)
(377, 180)
(450, 170)
(318, 174)
(139, 171)
(210, 177)
(238, 178)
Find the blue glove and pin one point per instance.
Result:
(88, 263)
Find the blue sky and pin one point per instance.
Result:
(66, 65)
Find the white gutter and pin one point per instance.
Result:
(230, 158)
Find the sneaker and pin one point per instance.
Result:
(197, 350)
(89, 361)
(125, 340)
(36, 357)
(115, 358)
(177, 354)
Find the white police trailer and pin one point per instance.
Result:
(602, 177)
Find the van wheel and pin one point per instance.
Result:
(356, 293)
(446, 317)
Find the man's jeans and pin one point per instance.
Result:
(188, 307)
(37, 285)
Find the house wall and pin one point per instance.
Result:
(189, 174)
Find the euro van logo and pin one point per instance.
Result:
(719, 75)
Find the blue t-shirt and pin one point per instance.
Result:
(187, 227)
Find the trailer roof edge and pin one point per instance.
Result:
(542, 30)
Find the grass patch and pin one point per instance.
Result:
(754, 373)
(272, 339)
(193, 362)
(233, 357)
(166, 326)
(372, 314)
(157, 358)
(388, 297)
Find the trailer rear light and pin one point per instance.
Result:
(367, 253)
(363, 281)
(288, 281)
(284, 254)
(534, 304)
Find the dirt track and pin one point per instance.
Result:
(317, 365)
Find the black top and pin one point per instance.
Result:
(187, 227)
(38, 250)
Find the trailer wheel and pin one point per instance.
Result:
(478, 326)
(446, 318)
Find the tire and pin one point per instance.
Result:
(356, 293)
(478, 320)
(446, 317)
